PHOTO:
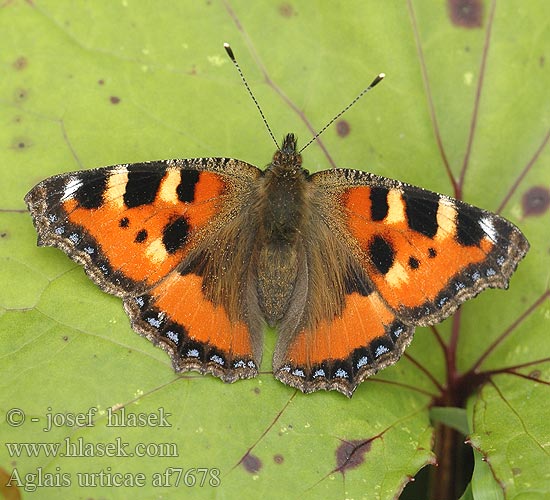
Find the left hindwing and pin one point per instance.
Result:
(145, 232)
(425, 253)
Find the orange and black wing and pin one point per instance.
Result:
(340, 351)
(413, 257)
(426, 253)
(133, 228)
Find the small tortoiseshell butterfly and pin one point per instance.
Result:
(205, 252)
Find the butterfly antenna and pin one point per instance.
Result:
(375, 82)
(229, 51)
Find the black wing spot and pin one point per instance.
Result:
(378, 203)
(90, 194)
(382, 254)
(432, 253)
(175, 233)
(413, 262)
(143, 185)
(468, 230)
(141, 236)
(124, 222)
(422, 212)
(186, 187)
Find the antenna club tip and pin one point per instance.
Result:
(377, 80)
(229, 50)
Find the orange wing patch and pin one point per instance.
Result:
(340, 353)
(198, 334)
(181, 298)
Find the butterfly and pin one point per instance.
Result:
(205, 252)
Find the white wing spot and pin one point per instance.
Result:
(319, 373)
(74, 237)
(217, 359)
(442, 301)
(362, 362)
(488, 228)
(340, 373)
(173, 336)
(72, 186)
(156, 322)
(398, 331)
(381, 349)
(192, 353)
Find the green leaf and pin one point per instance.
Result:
(455, 418)
(483, 485)
(511, 431)
(86, 84)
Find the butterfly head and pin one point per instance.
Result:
(287, 158)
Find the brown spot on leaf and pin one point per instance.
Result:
(466, 13)
(114, 99)
(342, 128)
(351, 454)
(20, 63)
(20, 143)
(278, 459)
(516, 471)
(3, 234)
(101, 81)
(65, 338)
(17, 119)
(21, 95)
(535, 201)
(257, 390)
(535, 374)
(286, 10)
(251, 463)
(542, 60)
